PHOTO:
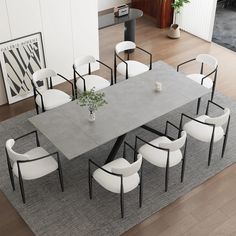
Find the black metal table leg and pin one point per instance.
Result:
(115, 148)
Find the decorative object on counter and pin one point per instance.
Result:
(93, 100)
(19, 59)
(174, 31)
(122, 10)
(158, 86)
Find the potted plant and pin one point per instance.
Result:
(93, 101)
(174, 31)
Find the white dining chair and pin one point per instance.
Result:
(89, 81)
(202, 78)
(32, 164)
(50, 97)
(164, 151)
(118, 176)
(129, 68)
(208, 129)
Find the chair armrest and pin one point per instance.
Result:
(100, 167)
(134, 150)
(32, 132)
(39, 158)
(77, 73)
(144, 141)
(116, 55)
(213, 103)
(67, 80)
(102, 63)
(150, 129)
(166, 129)
(178, 66)
(150, 66)
(191, 118)
(208, 75)
(41, 96)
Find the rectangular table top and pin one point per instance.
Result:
(131, 103)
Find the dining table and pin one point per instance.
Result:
(131, 103)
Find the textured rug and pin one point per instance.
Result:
(48, 211)
(224, 29)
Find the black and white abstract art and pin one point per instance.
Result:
(20, 58)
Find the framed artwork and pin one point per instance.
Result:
(19, 59)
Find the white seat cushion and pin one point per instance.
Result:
(36, 169)
(134, 68)
(159, 157)
(207, 82)
(52, 98)
(111, 182)
(92, 81)
(203, 132)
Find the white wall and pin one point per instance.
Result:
(198, 18)
(106, 4)
(69, 29)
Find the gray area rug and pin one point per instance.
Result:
(225, 28)
(48, 211)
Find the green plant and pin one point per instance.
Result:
(177, 5)
(92, 100)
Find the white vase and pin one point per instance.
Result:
(174, 31)
(92, 116)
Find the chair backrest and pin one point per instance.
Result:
(208, 60)
(130, 170)
(14, 156)
(219, 120)
(176, 144)
(43, 75)
(125, 45)
(85, 60)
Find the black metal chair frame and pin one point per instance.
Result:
(126, 64)
(49, 86)
(90, 178)
(26, 161)
(201, 72)
(165, 149)
(213, 130)
(89, 73)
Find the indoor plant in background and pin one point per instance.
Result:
(174, 31)
(93, 100)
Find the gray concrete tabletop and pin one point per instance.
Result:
(131, 103)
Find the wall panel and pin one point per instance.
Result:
(5, 35)
(57, 35)
(24, 17)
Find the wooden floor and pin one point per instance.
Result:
(209, 209)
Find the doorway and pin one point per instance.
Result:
(224, 32)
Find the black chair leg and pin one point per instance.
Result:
(210, 153)
(22, 189)
(122, 204)
(224, 146)
(183, 170)
(10, 172)
(166, 179)
(198, 105)
(37, 108)
(12, 180)
(115, 75)
(140, 194)
(61, 179)
(90, 187)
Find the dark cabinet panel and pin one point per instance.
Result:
(160, 10)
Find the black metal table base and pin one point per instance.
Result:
(115, 148)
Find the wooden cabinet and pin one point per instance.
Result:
(160, 10)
